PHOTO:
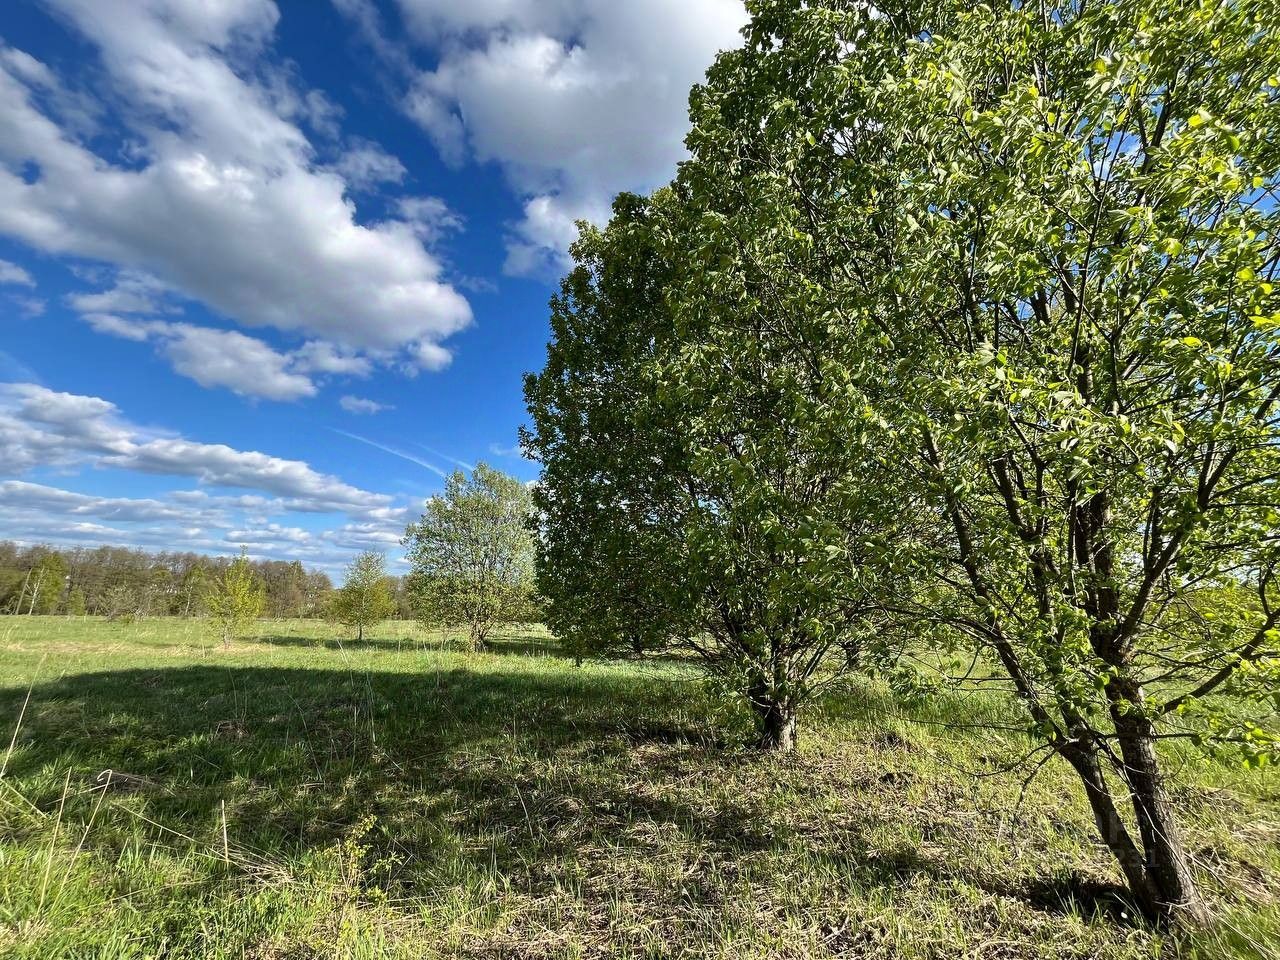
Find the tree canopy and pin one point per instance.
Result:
(367, 596)
(960, 320)
(472, 554)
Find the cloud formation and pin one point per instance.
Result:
(574, 99)
(40, 427)
(279, 508)
(362, 405)
(215, 190)
(11, 273)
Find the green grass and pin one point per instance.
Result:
(403, 798)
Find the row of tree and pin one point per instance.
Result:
(117, 581)
(958, 333)
(472, 556)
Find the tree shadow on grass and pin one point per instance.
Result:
(501, 645)
(443, 774)
(389, 644)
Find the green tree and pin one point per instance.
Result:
(1044, 244)
(44, 585)
(472, 554)
(193, 588)
(681, 500)
(76, 605)
(235, 598)
(367, 597)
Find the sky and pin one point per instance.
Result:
(270, 270)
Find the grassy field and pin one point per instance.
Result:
(303, 796)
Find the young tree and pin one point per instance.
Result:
(45, 584)
(193, 587)
(472, 554)
(235, 599)
(367, 597)
(1045, 243)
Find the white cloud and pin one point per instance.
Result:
(367, 165)
(574, 99)
(40, 427)
(215, 358)
(133, 292)
(122, 327)
(225, 358)
(13, 274)
(19, 494)
(221, 199)
(362, 405)
(35, 513)
(317, 356)
(430, 217)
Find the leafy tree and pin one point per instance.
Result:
(44, 585)
(76, 602)
(610, 550)
(192, 588)
(472, 554)
(235, 599)
(681, 501)
(367, 597)
(1044, 244)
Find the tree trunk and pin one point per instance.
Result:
(1173, 887)
(359, 633)
(776, 721)
(1111, 826)
(1158, 875)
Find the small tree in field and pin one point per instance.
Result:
(472, 554)
(235, 598)
(367, 597)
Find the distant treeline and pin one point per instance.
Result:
(119, 582)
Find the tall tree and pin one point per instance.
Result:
(682, 499)
(1044, 241)
(367, 597)
(235, 599)
(472, 554)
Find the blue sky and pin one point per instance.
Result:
(268, 270)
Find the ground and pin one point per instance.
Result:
(301, 795)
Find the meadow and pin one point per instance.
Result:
(302, 795)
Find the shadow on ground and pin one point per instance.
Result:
(443, 774)
(514, 644)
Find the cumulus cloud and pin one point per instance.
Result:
(366, 165)
(221, 198)
(19, 494)
(11, 273)
(362, 405)
(318, 356)
(216, 358)
(574, 99)
(269, 527)
(430, 217)
(227, 358)
(133, 292)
